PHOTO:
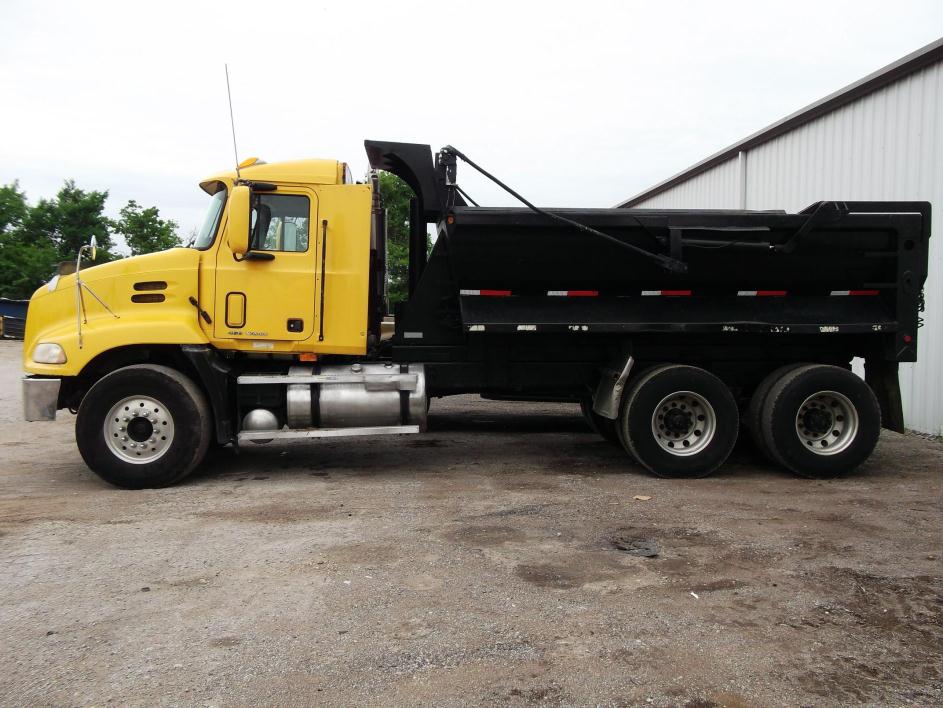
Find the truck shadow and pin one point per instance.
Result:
(491, 443)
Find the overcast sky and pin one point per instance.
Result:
(573, 104)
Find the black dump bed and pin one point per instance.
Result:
(837, 267)
(848, 271)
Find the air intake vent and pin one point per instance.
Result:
(148, 297)
(151, 285)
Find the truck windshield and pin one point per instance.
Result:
(207, 233)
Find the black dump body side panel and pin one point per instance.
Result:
(848, 268)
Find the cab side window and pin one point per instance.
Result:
(280, 222)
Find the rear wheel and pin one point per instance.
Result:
(606, 427)
(755, 411)
(143, 426)
(679, 421)
(821, 421)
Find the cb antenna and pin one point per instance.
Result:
(232, 123)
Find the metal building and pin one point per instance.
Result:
(881, 138)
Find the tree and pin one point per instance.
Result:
(144, 231)
(394, 197)
(23, 264)
(33, 239)
(70, 220)
(13, 207)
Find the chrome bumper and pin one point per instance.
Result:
(40, 398)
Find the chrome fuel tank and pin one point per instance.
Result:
(367, 394)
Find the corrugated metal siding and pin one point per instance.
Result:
(887, 145)
(715, 189)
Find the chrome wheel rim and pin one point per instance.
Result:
(683, 423)
(827, 422)
(139, 429)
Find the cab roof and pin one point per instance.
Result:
(295, 171)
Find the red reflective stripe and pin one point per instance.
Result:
(864, 292)
(495, 293)
(582, 293)
(675, 293)
(770, 293)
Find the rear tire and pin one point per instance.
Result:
(821, 421)
(606, 427)
(755, 411)
(679, 421)
(143, 426)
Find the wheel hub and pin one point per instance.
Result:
(827, 422)
(678, 421)
(139, 429)
(683, 423)
(817, 420)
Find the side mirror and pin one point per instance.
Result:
(237, 228)
(93, 247)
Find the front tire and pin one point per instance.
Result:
(821, 421)
(679, 421)
(143, 426)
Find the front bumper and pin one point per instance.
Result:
(40, 398)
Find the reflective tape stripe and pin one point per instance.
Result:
(573, 293)
(856, 292)
(486, 293)
(667, 293)
(761, 293)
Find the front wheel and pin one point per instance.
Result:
(143, 426)
(679, 421)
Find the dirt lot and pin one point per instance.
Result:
(475, 564)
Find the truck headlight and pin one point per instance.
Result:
(49, 353)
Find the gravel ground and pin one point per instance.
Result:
(479, 563)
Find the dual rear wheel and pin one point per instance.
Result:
(818, 421)
(678, 421)
(682, 421)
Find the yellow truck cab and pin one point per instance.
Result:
(291, 285)
(667, 326)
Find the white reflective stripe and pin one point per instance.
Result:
(560, 293)
(476, 328)
(527, 328)
(469, 292)
(840, 292)
(412, 335)
(747, 293)
(651, 292)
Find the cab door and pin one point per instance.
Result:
(270, 293)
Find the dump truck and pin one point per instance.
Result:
(674, 330)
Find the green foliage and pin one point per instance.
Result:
(23, 265)
(34, 239)
(394, 197)
(70, 220)
(144, 231)
(13, 207)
